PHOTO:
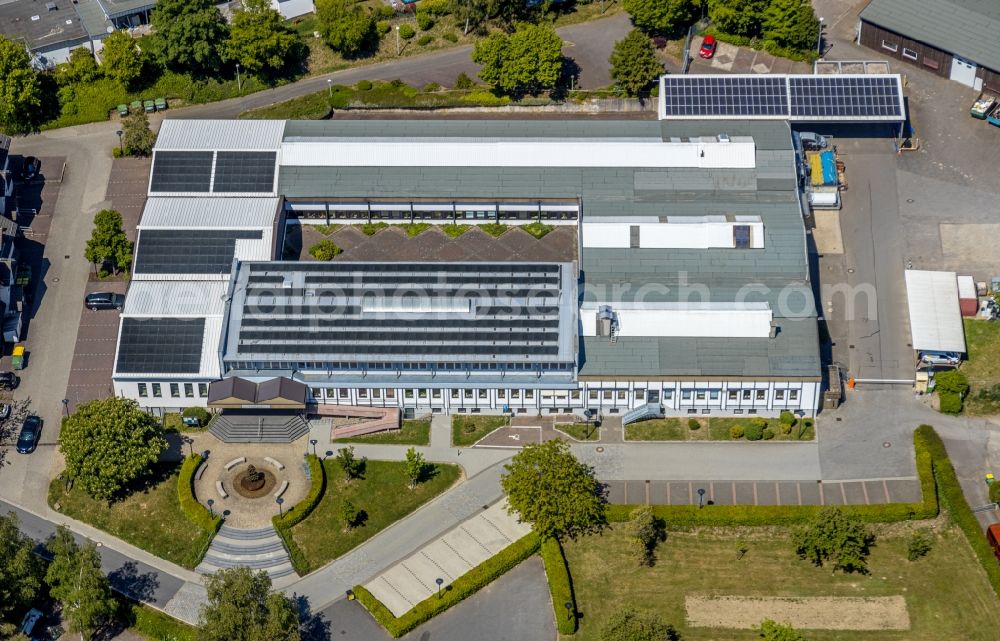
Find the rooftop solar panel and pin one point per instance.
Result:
(181, 171)
(177, 251)
(244, 171)
(160, 346)
(725, 96)
(844, 97)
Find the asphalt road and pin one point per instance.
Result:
(588, 44)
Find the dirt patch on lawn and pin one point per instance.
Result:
(815, 613)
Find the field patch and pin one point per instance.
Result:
(808, 613)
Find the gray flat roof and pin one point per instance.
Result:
(119, 8)
(31, 22)
(324, 129)
(967, 28)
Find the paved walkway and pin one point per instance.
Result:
(443, 560)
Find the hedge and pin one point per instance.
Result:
(560, 586)
(192, 509)
(297, 513)
(953, 500)
(155, 624)
(758, 44)
(462, 588)
(757, 515)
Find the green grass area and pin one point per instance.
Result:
(172, 423)
(415, 229)
(982, 339)
(150, 518)
(467, 429)
(711, 429)
(453, 230)
(495, 229)
(326, 230)
(946, 593)
(383, 494)
(580, 431)
(412, 433)
(656, 429)
(153, 624)
(537, 229)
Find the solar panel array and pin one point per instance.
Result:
(186, 251)
(844, 98)
(160, 345)
(234, 172)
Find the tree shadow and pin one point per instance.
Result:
(312, 626)
(569, 77)
(129, 582)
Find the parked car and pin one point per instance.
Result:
(993, 537)
(707, 47)
(941, 358)
(5, 411)
(9, 380)
(31, 431)
(31, 168)
(29, 622)
(104, 300)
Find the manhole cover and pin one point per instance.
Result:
(55, 280)
(850, 271)
(887, 444)
(600, 449)
(909, 200)
(66, 256)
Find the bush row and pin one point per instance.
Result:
(560, 585)
(950, 492)
(463, 587)
(292, 516)
(192, 509)
(758, 515)
(767, 45)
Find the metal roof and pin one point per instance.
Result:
(209, 135)
(935, 316)
(121, 8)
(157, 298)
(967, 28)
(209, 213)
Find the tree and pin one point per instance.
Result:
(920, 544)
(138, 140)
(108, 244)
(660, 16)
(261, 41)
(20, 91)
(634, 64)
(527, 61)
(121, 58)
(353, 467)
(108, 443)
(346, 27)
(771, 631)
(349, 513)
(415, 466)
(77, 581)
(470, 12)
(21, 571)
(549, 488)
(188, 35)
(81, 66)
(630, 625)
(645, 531)
(835, 537)
(737, 17)
(510, 12)
(241, 607)
(791, 23)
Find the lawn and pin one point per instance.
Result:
(580, 431)
(466, 430)
(150, 518)
(946, 593)
(983, 367)
(656, 429)
(710, 428)
(383, 494)
(413, 433)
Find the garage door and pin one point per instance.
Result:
(963, 71)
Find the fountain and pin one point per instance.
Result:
(252, 483)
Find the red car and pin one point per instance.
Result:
(707, 47)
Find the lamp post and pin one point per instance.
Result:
(397, 41)
(121, 146)
(211, 502)
(819, 38)
(190, 444)
(279, 501)
(439, 581)
(701, 497)
(313, 442)
(569, 609)
(65, 403)
(329, 87)
(328, 454)
(239, 82)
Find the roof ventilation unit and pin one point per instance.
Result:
(605, 319)
(724, 138)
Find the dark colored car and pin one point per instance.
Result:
(31, 431)
(707, 47)
(104, 300)
(8, 380)
(5, 410)
(31, 168)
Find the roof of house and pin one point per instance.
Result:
(232, 387)
(967, 28)
(282, 388)
(40, 27)
(209, 213)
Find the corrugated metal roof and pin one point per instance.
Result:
(967, 28)
(935, 316)
(170, 298)
(230, 135)
(209, 213)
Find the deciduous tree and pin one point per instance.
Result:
(121, 58)
(20, 91)
(549, 488)
(836, 538)
(645, 531)
(629, 624)
(188, 35)
(241, 607)
(634, 64)
(348, 28)
(737, 17)
(77, 581)
(108, 244)
(261, 41)
(791, 23)
(352, 466)
(21, 570)
(660, 16)
(81, 66)
(138, 140)
(771, 631)
(526, 61)
(108, 443)
(415, 466)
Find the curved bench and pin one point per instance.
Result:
(201, 470)
(221, 489)
(273, 463)
(281, 488)
(236, 461)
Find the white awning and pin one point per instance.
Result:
(935, 317)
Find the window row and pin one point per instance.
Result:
(352, 365)
(641, 395)
(175, 390)
(443, 215)
(454, 394)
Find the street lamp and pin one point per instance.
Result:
(701, 497)
(329, 86)
(65, 403)
(239, 83)
(439, 581)
(190, 444)
(569, 609)
(819, 38)
(211, 502)
(397, 41)
(121, 146)
(328, 454)
(313, 442)
(279, 501)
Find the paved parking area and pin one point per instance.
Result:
(732, 59)
(899, 490)
(446, 558)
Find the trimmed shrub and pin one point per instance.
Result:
(754, 431)
(364, 85)
(463, 81)
(425, 40)
(560, 586)
(324, 250)
(952, 382)
(431, 87)
(424, 20)
(195, 512)
(199, 413)
(769, 433)
(370, 229)
(950, 403)
(297, 513)
(382, 27)
(463, 587)
(385, 11)
(786, 418)
(451, 36)
(693, 424)
(995, 492)
(406, 31)
(736, 432)
(919, 545)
